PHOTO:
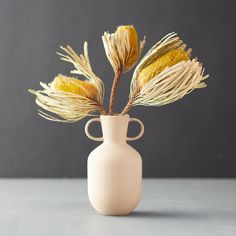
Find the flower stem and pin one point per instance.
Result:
(113, 91)
(101, 109)
(131, 100)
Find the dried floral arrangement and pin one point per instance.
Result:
(164, 75)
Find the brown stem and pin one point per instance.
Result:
(101, 109)
(131, 100)
(113, 91)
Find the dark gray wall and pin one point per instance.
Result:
(194, 137)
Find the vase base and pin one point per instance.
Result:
(114, 213)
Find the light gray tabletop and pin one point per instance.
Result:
(179, 207)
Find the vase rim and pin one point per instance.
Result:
(116, 115)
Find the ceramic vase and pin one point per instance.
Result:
(114, 168)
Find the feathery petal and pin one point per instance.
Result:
(122, 47)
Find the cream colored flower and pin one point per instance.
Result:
(75, 86)
(172, 84)
(167, 60)
(122, 47)
(83, 67)
(165, 74)
(69, 98)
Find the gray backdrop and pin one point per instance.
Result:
(194, 137)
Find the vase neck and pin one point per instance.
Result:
(114, 128)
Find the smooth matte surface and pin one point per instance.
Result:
(194, 137)
(168, 207)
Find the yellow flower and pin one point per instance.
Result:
(68, 99)
(167, 60)
(122, 47)
(165, 74)
(73, 85)
(133, 41)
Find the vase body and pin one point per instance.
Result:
(114, 168)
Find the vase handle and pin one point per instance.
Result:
(86, 129)
(141, 129)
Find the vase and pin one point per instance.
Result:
(114, 168)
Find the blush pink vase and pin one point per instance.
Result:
(114, 167)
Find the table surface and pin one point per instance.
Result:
(176, 207)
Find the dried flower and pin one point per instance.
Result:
(167, 60)
(74, 85)
(165, 74)
(70, 98)
(172, 84)
(122, 47)
(133, 56)
(83, 67)
(122, 51)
